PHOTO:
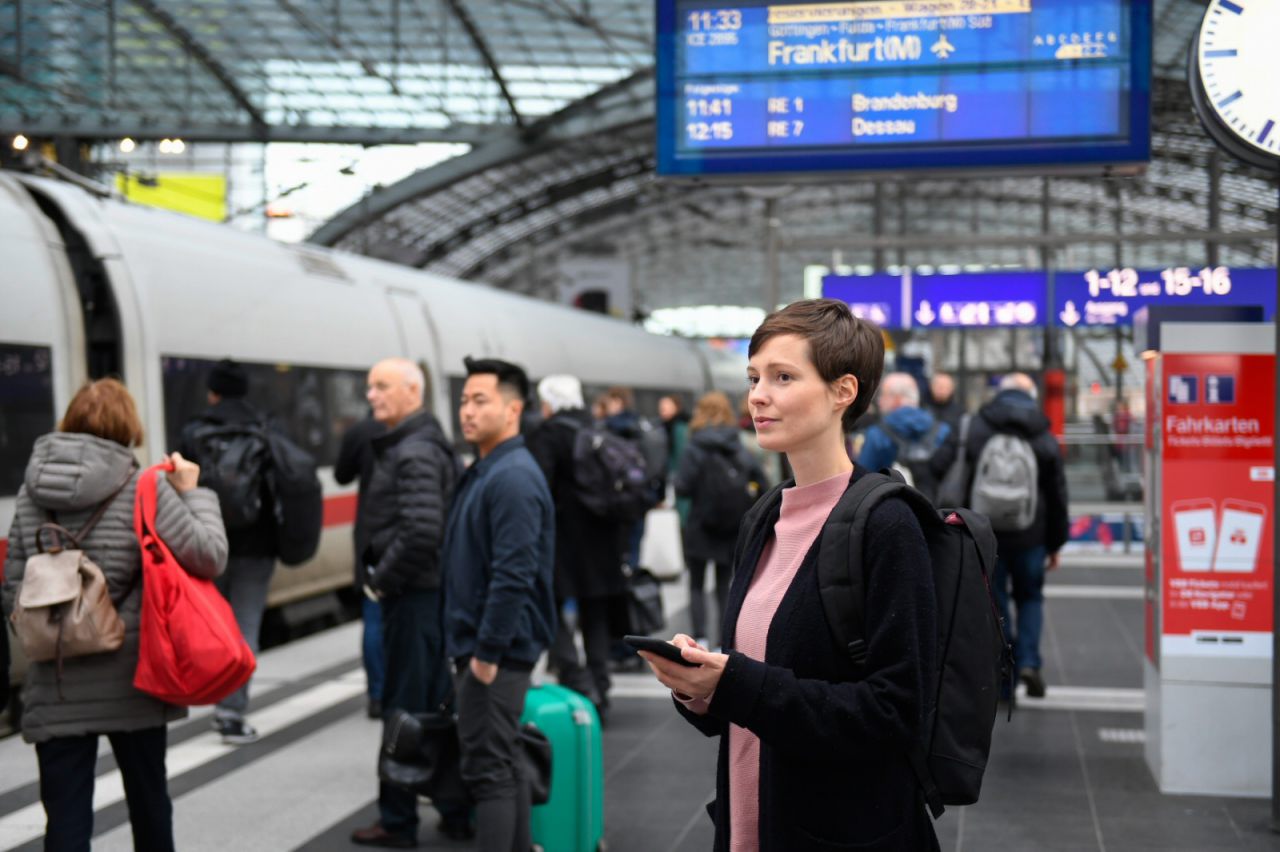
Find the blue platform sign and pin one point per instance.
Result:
(872, 297)
(1112, 297)
(783, 87)
(978, 299)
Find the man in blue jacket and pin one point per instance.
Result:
(499, 553)
(906, 436)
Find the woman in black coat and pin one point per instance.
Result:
(588, 567)
(714, 449)
(813, 749)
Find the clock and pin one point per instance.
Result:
(1234, 71)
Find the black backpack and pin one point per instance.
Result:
(726, 489)
(299, 502)
(913, 458)
(610, 476)
(973, 657)
(233, 459)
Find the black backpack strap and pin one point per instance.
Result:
(757, 515)
(840, 573)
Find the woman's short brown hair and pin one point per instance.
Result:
(104, 408)
(713, 409)
(840, 344)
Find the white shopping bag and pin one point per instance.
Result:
(661, 550)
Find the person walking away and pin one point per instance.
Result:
(406, 498)
(588, 553)
(675, 420)
(906, 437)
(499, 557)
(87, 465)
(225, 441)
(722, 480)
(814, 747)
(622, 420)
(1017, 479)
(355, 464)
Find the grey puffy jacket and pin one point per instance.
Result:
(71, 474)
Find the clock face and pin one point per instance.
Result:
(1238, 59)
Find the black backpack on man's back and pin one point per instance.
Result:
(726, 487)
(610, 476)
(233, 459)
(973, 657)
(298, 497)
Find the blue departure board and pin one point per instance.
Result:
(871, 297)
(752, 88)
(978, 299)
(1113, 296)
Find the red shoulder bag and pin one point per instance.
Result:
(190, 650)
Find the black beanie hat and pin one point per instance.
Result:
(228, 379)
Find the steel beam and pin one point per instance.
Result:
(157, 127)
(477, 38)
(207, 59)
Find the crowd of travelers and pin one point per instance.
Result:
(470, 572)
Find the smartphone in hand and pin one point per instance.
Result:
(660, 647)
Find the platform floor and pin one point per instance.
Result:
(1066, 774)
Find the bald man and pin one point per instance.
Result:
(403, 510)
(1027, 543)
(906, 436)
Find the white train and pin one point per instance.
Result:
(93, 287)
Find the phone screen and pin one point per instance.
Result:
(1196, 525)
(1239, 537)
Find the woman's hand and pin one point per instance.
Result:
(185, 474)
(697, 682)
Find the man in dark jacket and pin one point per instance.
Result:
(499, 554)
(943, 402)
(1023, 555)
(405, 501)
(355, 463)
(252, 546)
(588, 574)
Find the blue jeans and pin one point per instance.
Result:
(1025, 568)
(375, 665)
(244, 584)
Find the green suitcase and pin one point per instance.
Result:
(573, 819)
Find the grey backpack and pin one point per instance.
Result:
(1006, 483)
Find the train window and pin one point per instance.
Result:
(26, 408)
(314, 405)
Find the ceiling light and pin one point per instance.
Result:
(179, 146)
(20, 142)
(127, 145)
(166, 146)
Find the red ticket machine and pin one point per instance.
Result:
(1210, 570)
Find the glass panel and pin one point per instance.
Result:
(26, 408)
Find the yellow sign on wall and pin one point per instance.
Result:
(201, 195)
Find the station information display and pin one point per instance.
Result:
(1112, 297)
(760, 87)
(1091, 297)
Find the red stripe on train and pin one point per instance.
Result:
(339, 511)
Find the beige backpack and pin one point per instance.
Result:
(63, 608)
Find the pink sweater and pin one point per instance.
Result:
(804, 510)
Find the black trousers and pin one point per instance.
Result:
(593, 620)
(66, 789)
(417, 680)
(489, 734)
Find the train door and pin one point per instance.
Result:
(420, 343)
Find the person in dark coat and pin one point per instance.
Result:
(813, 749)
(355, 464)
(707, 536)
(406, 499)
(588, 566)
(252, 558)
(944, 404)
(1023, 556)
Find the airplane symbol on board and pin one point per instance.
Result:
(943, 48)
